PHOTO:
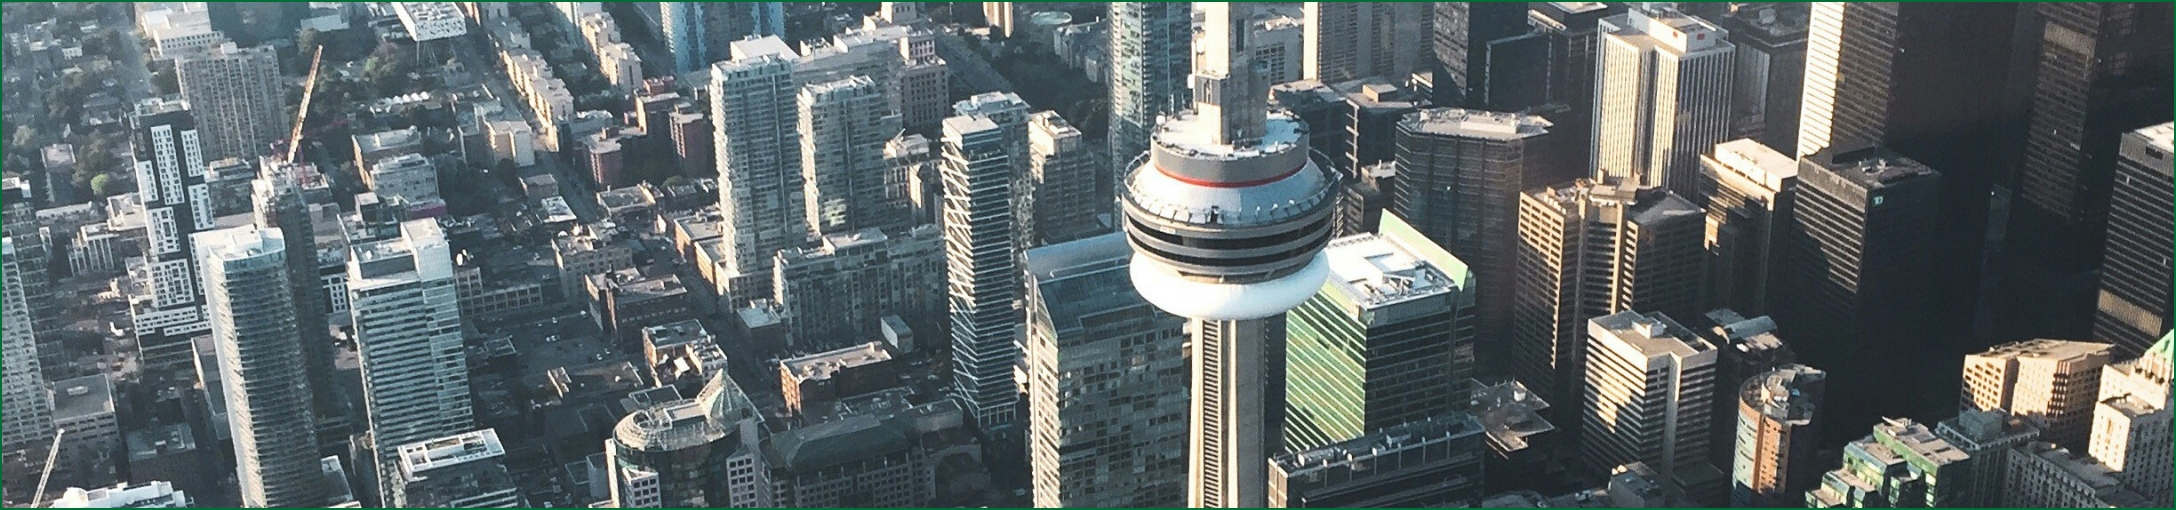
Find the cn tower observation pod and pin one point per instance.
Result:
(1228, 231)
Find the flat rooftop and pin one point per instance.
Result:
(823, 365)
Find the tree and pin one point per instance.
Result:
(25, 138)
(307, 42)
(104, 185)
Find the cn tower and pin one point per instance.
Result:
(1227, 217)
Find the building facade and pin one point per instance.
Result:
(700, 452)
(29, 413)
(268, 394)
(753, 111)
(1087, 325)
(407, 324)
(1778, 437)
(1650, 386)
(1434, 462)
(836, 292)
(236, 96)
(1387, 341)
(1151, 54)
(980, 275)
(1586, 250)
(1459, 175)
(2134, 288)
(1748, 189)
(1661, 97)
(170, 183)
(2131, 422)
(843, 127)
(2053, 384)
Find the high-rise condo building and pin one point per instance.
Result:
(277, 199)
(1062, 197)
(1650, 386)
(33, 255)
(1748, 188)
(2131, 422)
(2134, 302)
(1661, 97)
(1387, 341)
(753, 98)
(235, 94)
(1352, 40)
(1227, 218)
(2051, 383)
(1092, 443)
(700, 452)
(1778, 437)
(170, 182)
(1855, 270)
(843, 126)
(1459, 174)
(268, 396)
(1771, 76)
(29, 411)
(407, 325)
(980, 273)
(1434, 462)
(2101, 73)
(1151, 54)
(838, 292)
(1587, 250)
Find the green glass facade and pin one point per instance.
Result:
(1387, 341)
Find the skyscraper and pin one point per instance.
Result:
(269, 405)
(2131, 421)
(1387, 341)
(753, 108)
(34, 253)
(1856, 263)
(979, 267)
(700, 452)
(1771, 75)
(2050, 383)
(1748, 188)
(236, 97)
(2134, 280)
(1151, 54)
(1093, 444)
(1462, 34)
(697, 33)
(1932, 82)
(1227, 219)
(843, 126)
(1778, 437)
(1352, 40)
(1061, 172)
(408, 337)
(2102, 72)
(1459, 175)
(1587, 250)
(1650, 386)
(1661, 97)
(277, 200)
(177, 203)
(29, 413)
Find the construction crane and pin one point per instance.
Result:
(302, 112)
(51, 454)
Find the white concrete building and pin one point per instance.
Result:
(430, 21)
(753, 105)
(29, 412)
(1650, 389)
(254, 329)
(2131, 421)
(979, 266)
(407, 324)
(844, 125)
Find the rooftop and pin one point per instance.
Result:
(1377, 270)
(1364, 449)
(1870, 167)
(82, 397)
(1651, 334)
(1754, 161)
(1905, 437)
(1475, 124)
(161, 440)
(2058, 350)
(2161, 137)
(675, 333)
(447, 451)
(1790, 393)
(821, 366)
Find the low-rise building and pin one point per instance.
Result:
(682, 354)
(465, 470)
(837, 293)
(587, 251)
(146, 495)
(624, 301)
(2042, 475)
(84, 407)
(1435, 462)
(833, 374)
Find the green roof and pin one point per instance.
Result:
(2164, 349)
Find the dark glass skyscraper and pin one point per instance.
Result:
(2134, 277)
(1855, 273)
